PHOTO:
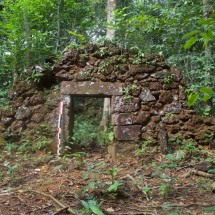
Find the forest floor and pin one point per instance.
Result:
(87, 183)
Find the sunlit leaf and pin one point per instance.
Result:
(207, 90)
(96, 210)
(190, 34)
(190, 42)
(212, 208)
(192, 99)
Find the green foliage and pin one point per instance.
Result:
(114, 187)
(144, 147)
(91, 207)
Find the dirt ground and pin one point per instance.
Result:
(145, 183)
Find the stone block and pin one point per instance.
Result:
(91, 88)
(122, 119)
(130, 133)
(119, 104)
(174, 107)
(146, 96)
(142, 118)
(23, 113)
(165, 97)
(155, 86)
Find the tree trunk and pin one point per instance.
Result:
(27, 39)
(58, 26)
(111, 5)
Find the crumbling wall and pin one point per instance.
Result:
(152, 93)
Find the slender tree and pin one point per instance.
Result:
(110, 33)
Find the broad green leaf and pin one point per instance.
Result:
(207, 90)
(114, 186)
(85, 204)
(190, 42)
(190, 34)
(205, 22)
(192, 99)
(79, 36)
(96, 210)
(212, 208)
(206, 98)
(111, 136)
(211, 171)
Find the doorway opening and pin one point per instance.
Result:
(87, 132)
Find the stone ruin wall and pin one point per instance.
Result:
(152, 92)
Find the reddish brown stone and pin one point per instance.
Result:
(142, 118)
(174, 107)
(125, 105)
(37, 99)
(17, 126)
(171, 119)
(92, 60)
(177, 74)
(37, 117)
(150, 134)
(127, 132)
(23, 113)
(91, 88)
(155, 119)
(7, 120)
(134, 69)
(18, 102)
(165, 97)
(122, 119)
(155, 86)
(146, 96)
(173, 129)
(145, 107)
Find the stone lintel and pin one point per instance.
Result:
(129, 133)
(91, 88)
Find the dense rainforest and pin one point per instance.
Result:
(97, 178)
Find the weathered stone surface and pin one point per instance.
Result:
(17, 103)
(145, 107)
(7, 120)
(173, 129)
(162, 74)
(17, 126)
(171, 85)
(155, 119)
(142, 118)
(131, 132)
(174, 107)
(122, 119)
(37, 99)
(165, 97)
(210, 121)
(19, 88)
(124, 105)
(23, 112)
(177, 74)
(146, 96)
(150, 134)
(37, 117)
(171, 119)
(155, 86)
(91, 88)
(134, 69)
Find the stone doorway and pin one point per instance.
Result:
(87, 117)
(71, 90)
